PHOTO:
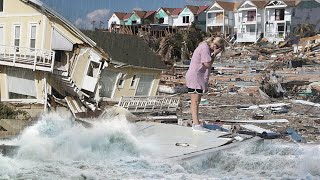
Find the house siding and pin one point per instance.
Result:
(126, 89)
(179, 20)
(115, 19)
(306, 12)
(133, 17)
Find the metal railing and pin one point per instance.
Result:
(31, 58)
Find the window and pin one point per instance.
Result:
(279, 14)
(17, 32)
(1, 5)
(107, 83)
(121, 80)
(134, 22)
(219, 17)
(144, 85)
(251, 16)
(196, 18)
(161, 20)
(21, 83)
(134, 81)
(93, 69)
(185, 19)
(293, 12)
(33, 34)
(209, 15)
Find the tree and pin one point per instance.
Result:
(93, 24)
(305, 30)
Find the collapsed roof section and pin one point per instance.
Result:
(126, 49)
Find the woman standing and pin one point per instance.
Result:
(197, 76)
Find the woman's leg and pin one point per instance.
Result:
(195, 100)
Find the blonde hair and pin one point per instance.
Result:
(216, 40)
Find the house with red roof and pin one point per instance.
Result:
(139, 17)
(191, 14)
(221, 17)
(164, 16)
(116, 20)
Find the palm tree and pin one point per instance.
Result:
(305, 30)
(93, 23)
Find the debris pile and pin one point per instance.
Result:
(262, 81)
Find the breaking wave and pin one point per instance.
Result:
(58, 148)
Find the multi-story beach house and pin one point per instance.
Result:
(116, 20)
(164, 16)
(278, 16)
(250, 20)
(189, 15)
(41, 52)
(139, 17)
(221, 17)
(306, 12)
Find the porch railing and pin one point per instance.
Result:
(279, 34)
(30, 58)
(149, 103)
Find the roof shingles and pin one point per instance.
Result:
(128, 49)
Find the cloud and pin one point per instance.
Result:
(99, 17)
(137, 9)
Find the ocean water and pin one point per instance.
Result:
(58, 148)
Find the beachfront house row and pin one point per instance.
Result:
(116, 20)
(134, 69)
(250, 20)
(220, 18)
(139, 17)
(191, 14)
(40, 52)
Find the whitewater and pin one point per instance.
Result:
(58, 148)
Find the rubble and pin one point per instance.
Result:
(262, 81)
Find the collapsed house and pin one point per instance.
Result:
(134, 69)
(45, 59)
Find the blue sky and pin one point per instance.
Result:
(83, 12)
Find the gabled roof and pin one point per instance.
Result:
(126, 49)
(140, 14)
(229, 6)
(202, 8)
(149, 13)
(120, 15)
(169, 11)
(260, 4)
(177, 11)
(45, 9)
(291, 3)
(127, 16)
(196, 9)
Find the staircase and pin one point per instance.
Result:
(75, 98)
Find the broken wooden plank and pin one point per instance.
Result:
(306, 103)
(266, 106)
(256, 129)
(257, 121)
